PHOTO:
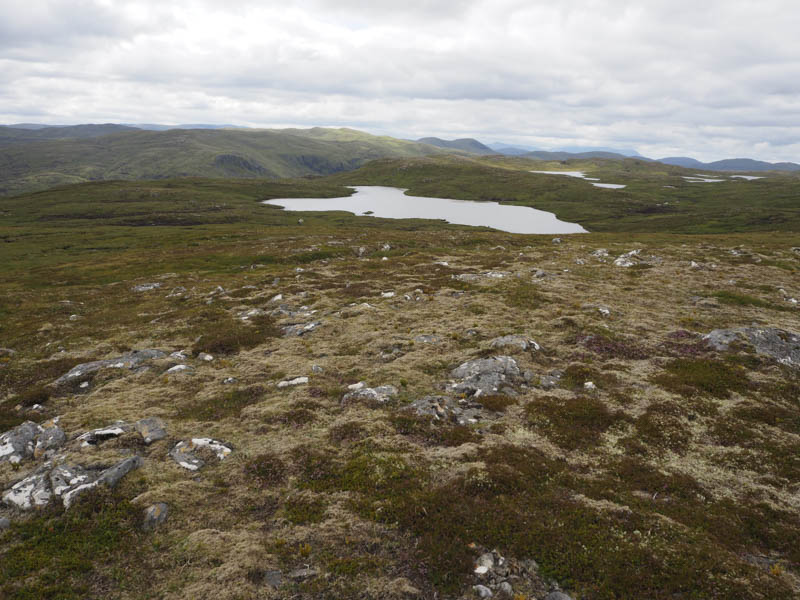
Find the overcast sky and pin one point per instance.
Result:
(705, 78)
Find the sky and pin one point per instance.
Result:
(710, 79)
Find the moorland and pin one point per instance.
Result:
(408, 408)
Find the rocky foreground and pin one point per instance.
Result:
(426, 418)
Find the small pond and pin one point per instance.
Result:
(392, 203)
(582, 175)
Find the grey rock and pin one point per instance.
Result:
(274, 579)
(128, 361)
(19, 443)
(146, 287)
(51, 439)
(152, 429)
(154, 516)
(505, 590)
(557, 596)
(96, 436)
(482, 591)
(176, 292)
(427, 339)
(600, 253)
(293, 382)
(4, 523)
(540, 274)
(627, 259)
(179, 370)
(519, 342)
(783, 346)
(485, 375)
(381, 394)
(557, 240)
(64, 478)
(113, 475)
(484, 564)
(229, 380)
(317, 370)
(32, 492)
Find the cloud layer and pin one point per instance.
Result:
(714, 79)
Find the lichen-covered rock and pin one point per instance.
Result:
(50, 439)
(152, 429)
(155, 516)
(109, 477)
(32, 492)
(96, 436)
(485, 375)
(627, 259)
(183, 452)
(293, 382)
(783, 346)
(84, 371)
(360, 392)
(19, 443)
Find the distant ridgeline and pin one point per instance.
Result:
(36, 157)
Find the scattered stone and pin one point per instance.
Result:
(580, 261)
(485, 375)
(783, 346)
(146, 287)
(205, 357)
(551, 380)
(514, 341)
(131, 360)
(152, 429)
(19, 443)
(557, 240)
(110, 477)
(387, 294)
(381, 394)
(179, 355)
(484, 564)
(481, 590)
(317, 370)
(300, 329)
(229, 380)
(293, 382)
(589, 386)
(427, 339)
(154, 516)
(65, 477)
(600, 253)
(4, 523)
(179, 369)
(626, 260)
(183, 452)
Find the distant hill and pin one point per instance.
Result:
(32, 133)
(730, 164)
(137, 154)
(465, 144)
(543, 155)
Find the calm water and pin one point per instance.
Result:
(392, 203)
(582, 175)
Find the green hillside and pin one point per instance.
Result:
(130, 155)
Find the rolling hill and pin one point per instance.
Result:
(41, 163)
(465, 144)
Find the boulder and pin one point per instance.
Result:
(32, 492)
(96, 436)
(300, 329)
(485, 375)
(154, 516)
(83, 372)
(151, 429)
(360, 392)
(627, 259)
(19, 443)
(50, 439)
(782, 345)
(4, 523)
(293, 382)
